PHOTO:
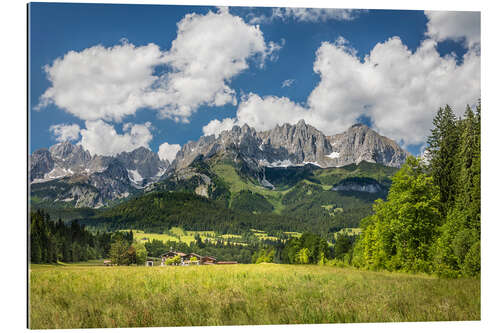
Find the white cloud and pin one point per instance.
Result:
(101, 138)
(209, 50)
(167, 151)
(111, 83)
(287, 83)
(104, 83)
(260, 113)
(315, 14)
(457, 26)
(64, 132)
(398, 89)
(305, 15)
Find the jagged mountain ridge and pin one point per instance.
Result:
(66, 159)
(298, 144)
(68, 174)
(92, 181)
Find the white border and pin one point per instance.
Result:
(14, 157)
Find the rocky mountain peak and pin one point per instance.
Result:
(301, 123)
(41, 162)
(297, 144)
(143, 164)
(361, 143)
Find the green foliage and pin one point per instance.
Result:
(173, 261)
(248, 201)
(140, 253)
(443, 147)
(309, 248)
(303, 256)
(263, 255)
(155, 247)
(400, 233)
(457, 251)
(431, 220)
(343, 246)
(51, 241)
(120, 252)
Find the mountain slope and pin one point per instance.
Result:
(305, 198)
(67, 175)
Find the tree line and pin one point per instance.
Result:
(431, 220)
(51, 241)
(55, 241)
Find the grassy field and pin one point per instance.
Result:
(77, 296)
(186, 236)
(175, 234)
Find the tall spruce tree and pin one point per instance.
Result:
(443, 147)
(457, 251)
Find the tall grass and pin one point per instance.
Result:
(79, 297)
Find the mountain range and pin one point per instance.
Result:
(67, 175)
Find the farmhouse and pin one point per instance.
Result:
(188, 259)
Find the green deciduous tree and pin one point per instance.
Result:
(118, 251)
(400, 233)
(303, 256)
(140, 253)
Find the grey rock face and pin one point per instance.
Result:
(145, 166)
(297, 144)
(372, 187)
(360, 143)
(40, 163)
(69, 156)
(65, 159)
(94, 180)
(113, 182)
(300, 143)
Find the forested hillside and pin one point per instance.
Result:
(234, 202)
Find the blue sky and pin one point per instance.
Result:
(282, 65)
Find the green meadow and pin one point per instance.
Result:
(83, 296)
(177, 234)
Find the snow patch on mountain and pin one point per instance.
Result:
(313, 163)
(334, 154)
(135, 176)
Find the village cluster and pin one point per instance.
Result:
(183, 259)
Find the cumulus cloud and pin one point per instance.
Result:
(399, 90)
(65, 132)
(168, 151)
(458, 26)
(110, 83)
(216, 126)
(209, 50)
(287, 83)
(101, 138)
(104, 83)
(260, 113)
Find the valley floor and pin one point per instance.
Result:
(80, 296)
